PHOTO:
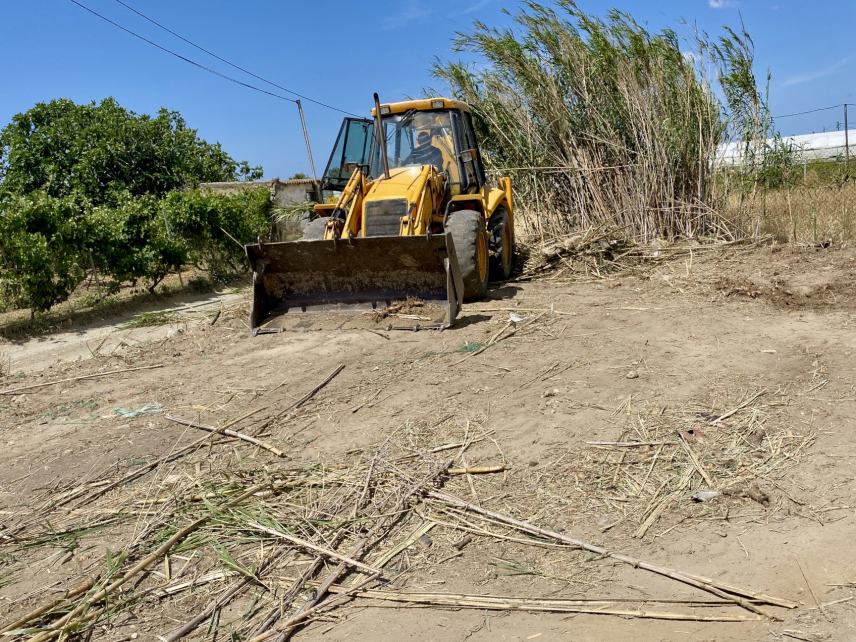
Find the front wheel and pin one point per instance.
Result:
(502, 245)
(471, 247)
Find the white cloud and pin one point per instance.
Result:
(412, 12)
(478, 5)
(722, 4)
(815, 75)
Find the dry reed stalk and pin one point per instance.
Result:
(300, 402)
(97, 375)
(471, 528)
(291, 625)
(228, 433)
(477, 470)
(738, 596)
(502, 603)
(325, 552)
(358, 550)
(49, 606)
(59, 627)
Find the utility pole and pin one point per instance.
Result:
(306, 138)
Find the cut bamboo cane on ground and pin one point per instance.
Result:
(297, 404)
(225, 431)
(477, 470)
(739, 596)
(22, 389)
(287, 628)
(326, 552)
(497, 603)
(60, 627)
(50, 606)
(317, 388)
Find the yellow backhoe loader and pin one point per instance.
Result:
(414, 219)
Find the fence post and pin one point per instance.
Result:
(846, 144)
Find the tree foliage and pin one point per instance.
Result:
(214, 225)
(61, 147)
(42, 248)
(97, 187)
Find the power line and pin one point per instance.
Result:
(231, 64)
(810, 111)
(180, 57)
(189, 60)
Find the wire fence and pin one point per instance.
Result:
(813, 197)
(810, 211)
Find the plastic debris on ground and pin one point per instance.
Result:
(148, 409)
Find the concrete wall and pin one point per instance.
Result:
(282, 192)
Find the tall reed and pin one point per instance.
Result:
(602, 123)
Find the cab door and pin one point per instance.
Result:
(352, 148)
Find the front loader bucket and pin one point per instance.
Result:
(369, 273)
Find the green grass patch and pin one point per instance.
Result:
(149, 319)
(471, 346)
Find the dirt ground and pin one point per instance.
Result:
(742, 356)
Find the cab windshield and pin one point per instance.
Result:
(416, 138)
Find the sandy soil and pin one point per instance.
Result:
(593, 360)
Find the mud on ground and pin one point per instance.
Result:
(607, 403)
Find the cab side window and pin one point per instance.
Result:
(469, 133)
(351, 149)
(472, 174)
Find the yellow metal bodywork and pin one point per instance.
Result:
(421, 104)
(423, 189)
(349, 265)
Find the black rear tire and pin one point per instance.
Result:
(471, 247)
(502, 244)
(314, 230)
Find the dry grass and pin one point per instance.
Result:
(238, 524)
(646, 480)
(599, 252)
(289, 542)
(802, 214)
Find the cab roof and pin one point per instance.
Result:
(422, 104)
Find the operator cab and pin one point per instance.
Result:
(432, 131)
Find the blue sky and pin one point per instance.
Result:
(340, 53)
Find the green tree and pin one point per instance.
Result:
(85, 187)
(61, 147)
(131, 240)
(43, 248)
(215, 225)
